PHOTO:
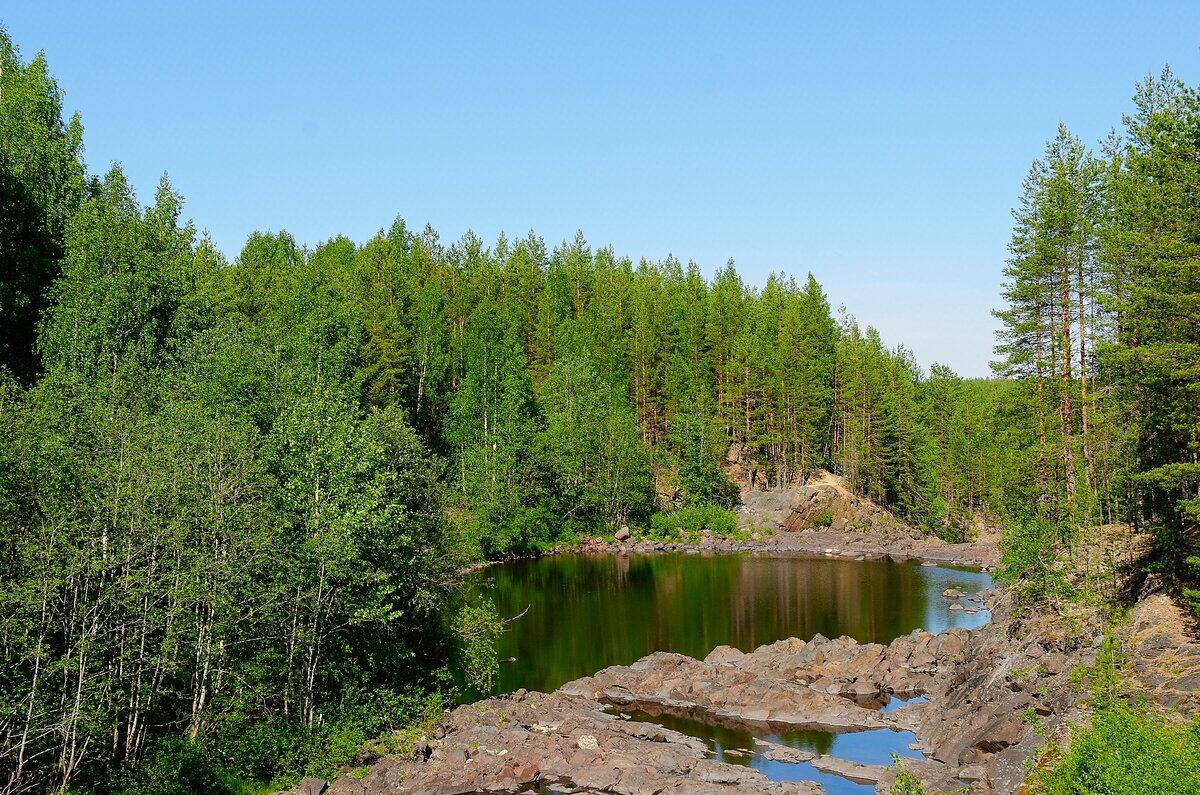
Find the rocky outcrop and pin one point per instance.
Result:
(726, 694)
(827, 543)
(1164, 658)
(824, 500)
(991, 700)
(557, 742)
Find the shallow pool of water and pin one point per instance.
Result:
(738, 747)
(586, 612)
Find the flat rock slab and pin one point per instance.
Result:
(852, 771)
(680, 685)
(774, 752)
(516, 743)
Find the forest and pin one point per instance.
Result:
(236, 494)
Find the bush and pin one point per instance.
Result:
(175, 766)
(520, 532)
(823, 519)
(907, 784)
(1127, 751)
(694, 521)
(478, 627)
(1028, 558)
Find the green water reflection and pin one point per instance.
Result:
(586, 612)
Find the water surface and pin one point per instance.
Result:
(586, 612)
(737, 746)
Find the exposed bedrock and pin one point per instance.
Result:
(559, 743)
(988, 691)
(986, 694)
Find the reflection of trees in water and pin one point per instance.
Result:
(869, 600)
(724, 738)
(588, 612)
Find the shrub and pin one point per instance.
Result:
(1127, 751)
(693, 521)
(907, 784)
(1027, 561)
(823, 519)
(175, 766)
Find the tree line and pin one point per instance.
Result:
(1101, 335)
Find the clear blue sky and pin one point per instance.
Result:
(880, 147)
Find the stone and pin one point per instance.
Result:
(312, 786)
(859, 774)
(774, 752)
(971, 773)
(622, 534)
(724, 655)
(1000, 733)
(587, 742)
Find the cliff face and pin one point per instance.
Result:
(823, 501)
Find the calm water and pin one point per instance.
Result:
(586, 612)
(737, 747)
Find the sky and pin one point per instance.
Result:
(880, 147)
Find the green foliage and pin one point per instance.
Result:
(691, 522)
(1028, 562)
(478, 627)
(42, 184)
(1127, 751)
(823, 519)
(176, 766)
(907, 784)
(596, 466)
(700, 481)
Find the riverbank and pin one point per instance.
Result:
(854, 545)
(822, 516)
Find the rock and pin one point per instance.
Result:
(952, 593)
(853, 771)
(956, 606)
(622, 534)
(312, 786)
(588, 742)
(1000, 733)
(971, 773)
(774, 752)
(711, 772)
(724, 655)
(421, 751)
